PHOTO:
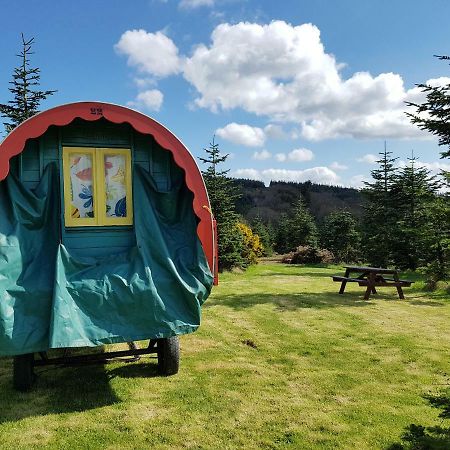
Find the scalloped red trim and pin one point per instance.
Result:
(37, 125)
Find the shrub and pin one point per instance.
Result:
(307, 254)
(252, 247)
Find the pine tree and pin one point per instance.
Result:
(434, 114)
(297, 228)
(26, 98)
(438, 265)
(340, 235)
(264, 234)
(303, 229)
(380, 214)
(282, 235)
(222, 196)
(416, 191)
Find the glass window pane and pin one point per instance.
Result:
(81, 185)
(116, 185)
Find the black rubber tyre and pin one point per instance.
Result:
(168, 350)
(23, 372)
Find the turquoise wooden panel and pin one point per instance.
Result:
(142, 148)
(149, 154)
(31, 150)
(95, 239)
(49, 145)
(141, 155)
(145, 165)
(101, 251)
(99, 133)
(30, 164)
(14, 165)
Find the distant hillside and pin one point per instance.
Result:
(269, 202)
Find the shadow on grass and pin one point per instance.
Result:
(424, 303)
(57, 390)
(290, 302)
(288, 273)
(141, 370)
(419, 437)
(60, 390)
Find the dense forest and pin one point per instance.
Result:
(268, 203)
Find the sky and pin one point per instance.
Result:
(292, 90)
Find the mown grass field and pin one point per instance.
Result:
(281, 362)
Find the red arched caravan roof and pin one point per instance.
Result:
(63, 115)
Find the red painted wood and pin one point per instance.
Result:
(37, 125)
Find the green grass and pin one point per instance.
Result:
(281, 362)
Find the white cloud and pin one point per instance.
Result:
(150, 100)
(434, 167)
(296, 155)
(152, 53)
(275, 131)
(262, 155)
(242, 134)
(192, 4)
(338, 166)
(357, 181)
(250, 174)
(322, 175)
(300, 154)
(144, 83)
(283, 72)
(368, 158)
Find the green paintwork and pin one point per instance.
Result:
(51, 297)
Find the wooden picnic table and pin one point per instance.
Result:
(372, 277)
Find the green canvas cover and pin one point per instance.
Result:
(49, 298)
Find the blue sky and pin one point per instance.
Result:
(293, 90)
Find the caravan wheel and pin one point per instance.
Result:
(168, 355)
(23, 372)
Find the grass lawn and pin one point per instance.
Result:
(281, 362)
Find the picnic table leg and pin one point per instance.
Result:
(370, 286)
(342, 289)
(399, 288)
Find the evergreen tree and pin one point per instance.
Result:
(416, 192)
(282, 234)
(297, 228)
(26, 98)
(264, 234)
(340, 235)
(434, 114)
(380, 212)
(222, 196)
(438, 266)
(303, 228)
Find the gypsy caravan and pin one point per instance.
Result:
(106, 236)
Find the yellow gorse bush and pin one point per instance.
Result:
(252, 246)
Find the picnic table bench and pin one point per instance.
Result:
(372, 277)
